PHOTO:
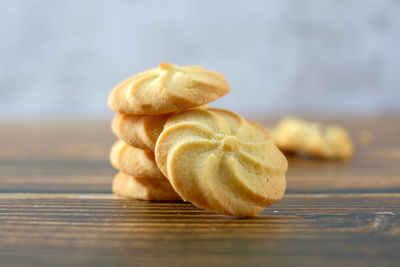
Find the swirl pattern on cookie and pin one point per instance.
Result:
(167, 89)
(134, 161)
(219, 161)
(143, 188)
(297, 135)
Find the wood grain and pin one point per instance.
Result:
(102, 230)
(56, 208)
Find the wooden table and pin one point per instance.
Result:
(56, 207)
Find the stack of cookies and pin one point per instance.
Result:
(143, 104)
(173, 147)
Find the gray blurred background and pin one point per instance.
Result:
(61, 58)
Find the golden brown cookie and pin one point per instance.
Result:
(143, 188)
(134, 161)
(217, 160)
(296, 135)
(167, 89)
(140, 131)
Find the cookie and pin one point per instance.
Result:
(297, 135)
(143, 188)
(168, 88)
(140, 131)
(217, 160)
(134, 161)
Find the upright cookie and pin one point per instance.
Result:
(296, 135)
(143, 188)
(167, 89)
(140, 131)
(134, 161)
(219, 161)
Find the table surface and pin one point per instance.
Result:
(56, 206)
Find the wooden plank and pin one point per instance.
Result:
(104, 230)
(55, 157)
(84, 140)
(73, 157)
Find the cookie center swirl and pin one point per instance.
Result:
(230, 143)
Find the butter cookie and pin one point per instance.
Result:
(134, 161)
(143, 188)
(297, 135)
(217, 160)
(167, 89)
(140, 131)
